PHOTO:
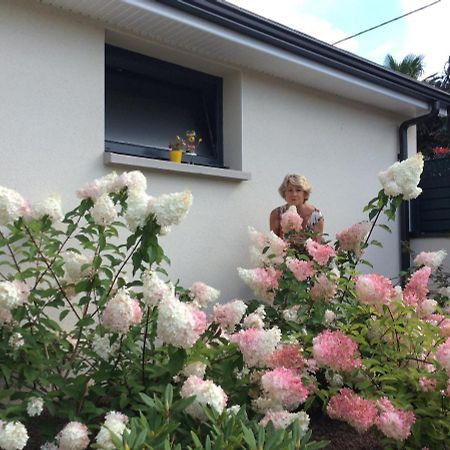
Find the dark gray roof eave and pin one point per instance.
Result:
(252, 25)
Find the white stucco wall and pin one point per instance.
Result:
(52, 136)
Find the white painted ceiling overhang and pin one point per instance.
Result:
(156, 22)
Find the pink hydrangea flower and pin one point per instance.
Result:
(206, 393)
(202, 294)
(291, 220)
(282, 419)
(284, 387)
(95, 189)
(74, 436)
(323, 288)
(229, 314)
(321, 253)
(353, 409)
(394, 423)
(430, 259)
(262, 281)
(302, 270)
(154, 289)
(416, 290)
(351, 238)
(121, 312)
(427, 384)
(256, 345)
(444, 328)
(288, 356)
(373, 289)
(443, 355)
(335, 350)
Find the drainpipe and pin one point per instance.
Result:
(404, 208)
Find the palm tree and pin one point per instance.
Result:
(411, 65)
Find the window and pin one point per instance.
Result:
(148, 102)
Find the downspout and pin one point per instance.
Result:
(404, 208)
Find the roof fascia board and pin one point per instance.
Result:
(294, 42)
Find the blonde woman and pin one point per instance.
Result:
(295, 189)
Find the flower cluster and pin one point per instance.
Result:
(266, 249)
(323, 288)
(402, 178)
(229, 314)
(443, 355)
(206, 392)
(284, 387)
(301, 269)
(13, 435)
(121, 312)
(12, 206)
(335, 350)
(115, 423)
(291, 220)
(282, 419)
(394, 423)
(416, 290)
(154, 289)
(202, 294)
(104, 213)
(171, 209)
(12, 295)
(179, 324)
(263, 281)
(257, 345)
(75, 265)
(319, 252)
(430, 259)
(35, 406)
(74, 436)
(288, 356)
(50, 207)
(351, 239)
(353, 409)
(373, 289)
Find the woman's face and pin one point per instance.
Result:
(294, 195)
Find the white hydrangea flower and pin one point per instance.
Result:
(202, 294)
(104, 213)
(291, 314)
(170, 209)
(13, 435)
(206, 393)
(12, 206)
(196, 368)
(430, 259)
(98, 187)
(12, 294)
(121, 312)
(276, 248)
(102, 347)
(49, 446)
(135, 181)
(137, 209)
(115, 423)
(16, 341)
(74, 436)
(229, 314)
(35, 406)
(403, 177)
(73, 263)
(282, 419)
(179, 324)
(154, 289)
(255, 319)
(427, 307)
(50, 207)
(233, 410)
(329, 317)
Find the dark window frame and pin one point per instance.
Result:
(208, 87)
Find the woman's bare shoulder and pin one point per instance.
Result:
(309, 208)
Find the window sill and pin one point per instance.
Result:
(110, 158)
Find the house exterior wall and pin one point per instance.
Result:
(52, 137)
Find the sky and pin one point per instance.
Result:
(423, 33)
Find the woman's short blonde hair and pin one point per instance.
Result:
(295, 180)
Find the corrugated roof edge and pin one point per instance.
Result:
(265, 30)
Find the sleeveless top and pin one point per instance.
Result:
(314, 218)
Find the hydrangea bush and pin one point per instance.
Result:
(97, 342)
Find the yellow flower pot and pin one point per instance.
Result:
(175, 156)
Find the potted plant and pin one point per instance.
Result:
(176, 150)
